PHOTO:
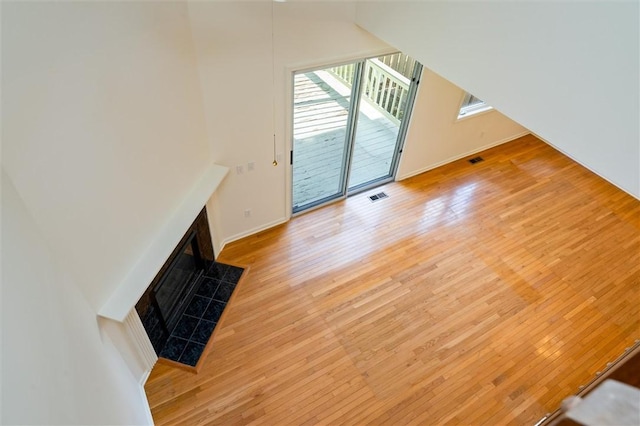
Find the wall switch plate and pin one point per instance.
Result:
(251, 166)
(239, 170)
(247, 213)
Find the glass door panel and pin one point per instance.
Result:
(349, 123)
(321, 108)
(384, 96)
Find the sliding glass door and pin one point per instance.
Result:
(348, 126)
(384, 97)
(321, 128)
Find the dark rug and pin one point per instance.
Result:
(187, 340)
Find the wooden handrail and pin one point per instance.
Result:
(552, 418)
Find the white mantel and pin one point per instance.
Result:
(127, 294)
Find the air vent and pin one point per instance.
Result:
(476, 160)
(378, 196)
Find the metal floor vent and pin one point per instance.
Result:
(476, 160)
(378, 196)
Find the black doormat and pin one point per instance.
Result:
(192, 332)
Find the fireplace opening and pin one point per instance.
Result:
(168, 295)
(185, 301)
(175, 290)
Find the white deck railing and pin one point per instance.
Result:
(385, 88)
(400, 62)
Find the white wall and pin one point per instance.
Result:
(103, 137)
(567, 71)
(56, 367)
(103, 127)
(437, 137)
(233, 41)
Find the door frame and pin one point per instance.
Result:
(290, 72)
(400, 138)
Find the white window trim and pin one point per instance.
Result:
(472, 110)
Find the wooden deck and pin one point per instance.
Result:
(474, 294)
(320, 117)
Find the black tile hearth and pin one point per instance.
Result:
(223, 293)
(203, 331)
(217, 270)
(233, 274)
(197, 306)
(214, 311)
(191, 354)
(173, 348)
(184, 328)
(208, 286)
(195, 327)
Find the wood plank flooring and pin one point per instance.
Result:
(474, 294)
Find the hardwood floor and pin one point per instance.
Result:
(474, 294)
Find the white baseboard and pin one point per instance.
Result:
(432, 166)
(586, 167)
(458, 157)
(252, 232)
(144, 378)
(147, 407)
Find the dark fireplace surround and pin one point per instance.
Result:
(162, 304)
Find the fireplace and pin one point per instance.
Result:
(172, 292)
(131, 316)
(168, 295)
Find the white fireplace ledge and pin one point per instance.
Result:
(127, 294)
